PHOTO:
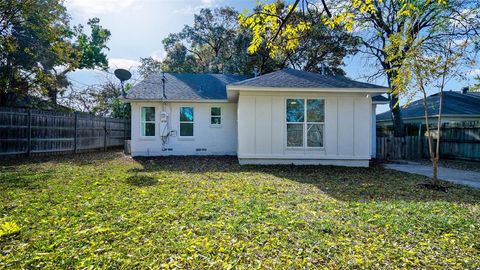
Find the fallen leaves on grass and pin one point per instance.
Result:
(109, 211)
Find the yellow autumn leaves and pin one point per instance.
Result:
(280, 34)
(8, 228)
(266, 27)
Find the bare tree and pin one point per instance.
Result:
(424, 69)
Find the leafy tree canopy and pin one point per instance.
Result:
(476, 87)
(217, 43)
(378, 25)
(38, 47)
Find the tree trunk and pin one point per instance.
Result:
(435, 172)
(8, 99)
(395, 111)
(52, 95)
(398, 126)
(3, 99)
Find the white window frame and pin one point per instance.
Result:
(180, 122)
(143, 122)
(305, 124)
(220, 116)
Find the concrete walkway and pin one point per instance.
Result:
(467, 178)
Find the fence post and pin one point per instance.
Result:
(124, 130)
(105, 137)
(29, 134)
(420, 141)
(75, 139)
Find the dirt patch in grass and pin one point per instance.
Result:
(107, 210)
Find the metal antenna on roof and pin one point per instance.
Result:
(164, 80)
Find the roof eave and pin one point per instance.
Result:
(232, 90)
(128, 100)
(306, 89)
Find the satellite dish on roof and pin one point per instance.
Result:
(122, 74)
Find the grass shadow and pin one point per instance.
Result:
(342, 183)
(80, 159)
(32, 179)
(141, 180)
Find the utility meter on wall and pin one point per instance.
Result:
(164, 124)
(163, 117)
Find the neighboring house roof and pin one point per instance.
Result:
(379, 99)
(454, 103)
(474, 94)
(184, 86)
(292, 78)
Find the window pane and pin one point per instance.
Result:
(216, 111)
(315, 110)
(315, 135)
(148, 129)
(186, 114)
(295, 110)
(295, 135)
(216, 120)
(186, 129)
(148, 113)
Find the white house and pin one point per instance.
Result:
(284, 117)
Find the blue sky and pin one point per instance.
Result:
(139, 26)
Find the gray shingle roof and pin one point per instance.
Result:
(292, 78)
(184, 86)
(454, 103)
(380, 98)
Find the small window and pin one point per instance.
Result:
(216, 116)
(148, 122)
(186, 121)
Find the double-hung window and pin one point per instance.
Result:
(305, 120)
(215, 116)
(148, 122)
(186, 121)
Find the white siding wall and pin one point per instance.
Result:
(217, 140)
(262, 129)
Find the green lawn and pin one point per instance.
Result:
(110, 211)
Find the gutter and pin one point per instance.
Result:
(305, 89)
(128, 100)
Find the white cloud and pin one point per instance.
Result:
(460, 42)
(474, 72)
(158, 54)
(193, 9)
(128, 64)
(208, 2)
(96, 7)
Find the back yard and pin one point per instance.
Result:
(110, 211)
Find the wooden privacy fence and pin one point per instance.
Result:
(455, 143)
(25, 131)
